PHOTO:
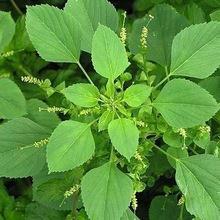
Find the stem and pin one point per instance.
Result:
(16, 7)
(162, 151)
(162, 81)
(74, 208)
(181, 212)
(85, 73)
(166, 71)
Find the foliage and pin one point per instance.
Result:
(97, 107)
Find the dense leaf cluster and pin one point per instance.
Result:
(146, 107)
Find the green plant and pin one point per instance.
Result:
(138, 118)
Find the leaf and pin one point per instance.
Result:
(55, 34)
(109, 56)
(105, 119)
(49, 189)
(136, 95)
(215, 16)
(164, 208)
(212, 3)
(212, 85)
(7, 29)
(21, 39)
(72, 151)
(35, 211)
(161, 31)
(194, 13)
(46, 119)
(196, 48)
(176, 153)
(124, 136)
(18, 156)
(102, 192)
(89, 15)
(198, 177)
(184, 104)
(129, 215)
(82, 94)
(12, 101)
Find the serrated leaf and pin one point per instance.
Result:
(72, 151)
(184, 104)
(161, 31)
(89, 15)
(194, 13)
(49, 189)
(82, 94)
(137, 94)
(165, 207)
(215, 16)
(12, 101)
(196, 51)
(102, 192)
(105, 119)
(109, 56)
(21, 39)
(124, 136)
(35, 211)
(212, 85)
(46, 119)
(176, 153)
(7, 29)
(129, 215)
(55, 34)
(18, 156)
(200, 175)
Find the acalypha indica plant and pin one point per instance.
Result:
(143, 109)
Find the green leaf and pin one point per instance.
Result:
(102, 192)
(129, 215)
(7, 29)
(215, 16)
(21, 39)
(82, 94)
(46, 119)
(18, 156)
(161, 31)
(212, 85)
(196, 48)
(105, 119)
(72, 151)
(198, 177)
(184, 104)
(176, 153)
(212, 3)
(136, 95)
(109, 56)
(55, 34)
(12, 101)
(164, 208)
(35, 211)
(194, 13)
(89, 15)
(124, 136)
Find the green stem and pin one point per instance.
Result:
(85, 73)
(162, 81)
(162, 151)
(166, 71)
(16, 7)
(181, 212)
(74, 207)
